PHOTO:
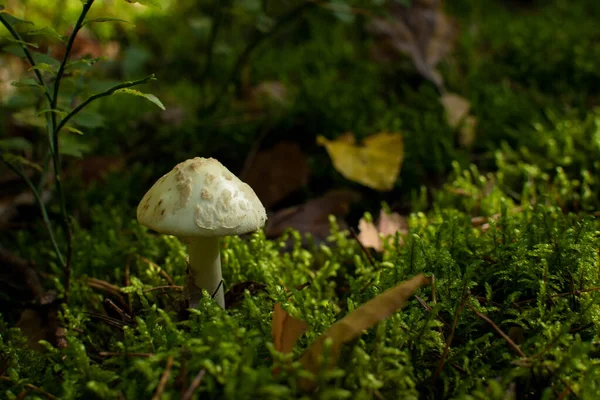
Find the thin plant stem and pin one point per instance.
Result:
(41, 205)
(54, 145)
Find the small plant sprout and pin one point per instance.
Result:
(199, 201)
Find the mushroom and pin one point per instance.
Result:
(199, 201)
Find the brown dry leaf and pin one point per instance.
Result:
(277, 172)
(387, 225)
(376, 164)
(286, 330)
(312, 216)
(457, 115)
(353, 324)
(421, 31)
(268, 93)
(456, 107)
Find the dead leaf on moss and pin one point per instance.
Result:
(376, 164)
(313, 216)
(277, 172)
(387, 225)
(268, 94)
(285, 329)
(421, 30)
(353, 325)
(457, 115)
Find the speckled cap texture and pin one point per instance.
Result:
(200, 197)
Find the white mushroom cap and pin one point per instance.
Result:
(200, 197)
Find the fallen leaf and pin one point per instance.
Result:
(456, 107)
(376, 164)
(313, 216)
(457, 115)
(277, 172)
(421, 30)
(387, 226)
(285, 329)
(353, 324)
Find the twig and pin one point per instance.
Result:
(121, 312)
(195, 383)
(41, 205)
(362, 247)
(114, 354)
(163, 379)
(577, 292)
(109, 320)
(165, 288)
(107, 287)
(508, 340)
(32, 387)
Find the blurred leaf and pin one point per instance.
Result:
(29, 116)
(457, 115)
(13, 40)
(376, 164)
(147, 96)
(12, 20)
(17, 50)
(277, 172)
(60, 113)
(89, 119)
(353, 325)
(285, 329)
(20, 160)
(26, 82)
(89, 21)
(15, 144)
(43, 67)
(49, 33)
(387, 225)
(74, 130)
(421, 31)
(73, 146)
(147, 3)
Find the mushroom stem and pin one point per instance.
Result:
(205, 270)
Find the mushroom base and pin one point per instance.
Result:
(204, 271)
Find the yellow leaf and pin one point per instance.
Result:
(376, 164)
(353, 324)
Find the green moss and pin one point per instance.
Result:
(528, 273)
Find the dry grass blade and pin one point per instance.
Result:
(195, 383)
(163, 379)
(351, 326)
